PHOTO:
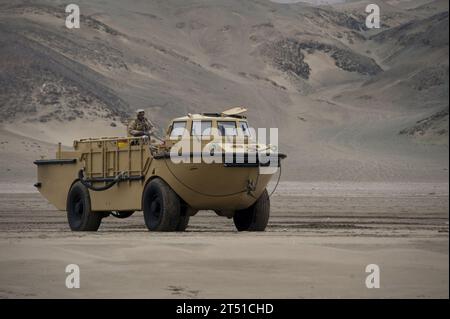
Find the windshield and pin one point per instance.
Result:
(201, 128)
(244, 127)
(178, 129)
(227, 128)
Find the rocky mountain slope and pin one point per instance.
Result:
(350, 103)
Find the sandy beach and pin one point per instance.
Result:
(320, 238)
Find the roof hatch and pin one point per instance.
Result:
(234, 111)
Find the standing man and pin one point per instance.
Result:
(140, 126)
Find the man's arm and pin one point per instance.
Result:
(132, 130)
(151, 128)
(137, 133)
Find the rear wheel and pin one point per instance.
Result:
(79, 214)
(254, 218)
(161, 206)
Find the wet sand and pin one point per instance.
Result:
(319, 240)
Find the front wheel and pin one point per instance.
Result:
(184, 218)
(161, 206)
(255, 217)
(79, 214)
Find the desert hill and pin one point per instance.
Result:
(350, 103)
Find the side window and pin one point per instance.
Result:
(201, 128)
(227, 128)
(244, 127)
(178, 129)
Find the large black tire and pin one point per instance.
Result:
(254, 218)
(122, 214)
(79, 214)
(184, 219)
(161, 206)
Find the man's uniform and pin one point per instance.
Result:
(139, 125)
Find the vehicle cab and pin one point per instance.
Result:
(229, 127)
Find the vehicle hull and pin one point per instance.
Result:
(214, 186)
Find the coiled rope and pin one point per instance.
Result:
(88, 184)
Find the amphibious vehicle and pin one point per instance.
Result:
(208, 161)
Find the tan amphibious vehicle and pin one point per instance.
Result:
(208, 161)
